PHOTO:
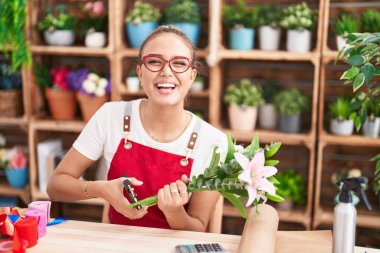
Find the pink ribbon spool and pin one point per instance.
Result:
(40, 216)
(41, 205)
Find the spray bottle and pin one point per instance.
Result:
(345, 214)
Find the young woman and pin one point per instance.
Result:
(154, 141)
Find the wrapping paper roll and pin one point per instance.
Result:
(40, 216)
(26, 229)
(41, 205)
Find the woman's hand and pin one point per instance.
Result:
(112, 192)
(171, 198)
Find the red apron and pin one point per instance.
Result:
(154, 167)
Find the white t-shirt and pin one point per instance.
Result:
(104, 131)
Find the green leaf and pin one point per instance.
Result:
(378, 165)
(358, 82)
(214, 162)
(376, 157)
(231, 148)
(274, 197)
(271, 162)
(236, 203)
(356, 60)
(272, 150)
(350, 73)
(377, 72)
(358, 123)
(254, 146)
(368, 72)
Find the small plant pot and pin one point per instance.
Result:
(17, 178)
(299, 41)
(89, 105)
(285, 205)
(197, 86)
(340, 42)
(138, 33)
(95, 39)
(268, 116)
(62, 103)
(242, 118)
(242, 38)
(269, 38)
(133, 84)
(371, 128)
(191, 30)
(59, 37)
(290, 123)
(342, 127)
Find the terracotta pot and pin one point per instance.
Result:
(89, 105)
(62, 103)
(242, 118)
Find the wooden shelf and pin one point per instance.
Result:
(52, 125)
(268, 55)
(354, 140)
(7, 190)
(133, 52)
(13, 121)
(271, 136)
(71, 50)
(294, 215)
(94, 201)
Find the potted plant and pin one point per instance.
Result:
(94, 24)
(140, 22)
(186, 15)
(290, 104)
(269, 18)
(92, 90)
(292, 187)
(268, 111)
(58, 26)
(16, 167)
(242, 102)
(198, 84)
(370, 21)
(133, 82)
(340, 123)
(60, 96)
(10, 91)
(371, 127)
(345, 23)
(298, 19)
(240, 20)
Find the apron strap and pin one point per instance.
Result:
(192, 141)
(127, 124)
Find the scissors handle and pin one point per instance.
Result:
(133, 196)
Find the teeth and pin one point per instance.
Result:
(165, 85)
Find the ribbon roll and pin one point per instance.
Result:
(26, 229)
(40, 216)
(41, 205)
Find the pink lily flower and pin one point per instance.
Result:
(255, 176)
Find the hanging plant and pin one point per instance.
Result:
(12, 31)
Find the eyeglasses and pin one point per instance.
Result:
(155, 63)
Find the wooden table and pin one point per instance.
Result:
(79, 236)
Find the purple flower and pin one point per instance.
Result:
(76, 78)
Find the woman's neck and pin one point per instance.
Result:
(165, 123)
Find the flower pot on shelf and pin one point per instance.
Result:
(269, 38)
(137, 33)
(342, 127)
(95, 39)
(10, 105)
(290, 123)
(59, 37)
(298, 41)
(90, 104)
(242, 118)
(62, 103)
(268, 116)
(371, 128)
(241, 38)
(17, 178)
(197, 86)
(133, 84)
(191, 30)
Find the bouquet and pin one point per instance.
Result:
(245, 173)
(89, 83)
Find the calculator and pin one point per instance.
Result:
(200, 248)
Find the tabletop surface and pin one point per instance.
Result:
(79, 236)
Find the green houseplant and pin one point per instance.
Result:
(299, 20)
(140, 22)
(268, 111)
(292, 187)
(58, 26)
(290, 103)
(10, 91)
(269, 17)
(240, 20)
(242, 102)
(12, 32)
(341, 123)
(186, 15)
(133, 82)
(370, 21)
(345, 23)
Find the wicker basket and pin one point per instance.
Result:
(10, 103)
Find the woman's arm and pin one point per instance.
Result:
(260, 229)
(64, 185)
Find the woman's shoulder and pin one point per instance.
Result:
(115, 107)
(212, 134)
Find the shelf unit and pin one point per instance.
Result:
(340, 152)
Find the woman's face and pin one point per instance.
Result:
(166, 87)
